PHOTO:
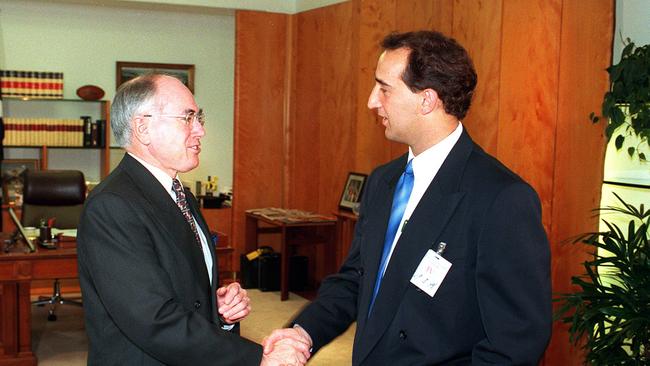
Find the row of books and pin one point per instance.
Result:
(81, 132)
(34, 84)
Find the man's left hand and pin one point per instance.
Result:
(232, 303)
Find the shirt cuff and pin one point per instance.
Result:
(296, 325)
(227, 327)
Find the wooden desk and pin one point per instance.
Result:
(345, 224)
(293, 233)
(17, 270)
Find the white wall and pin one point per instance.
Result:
(85, 41)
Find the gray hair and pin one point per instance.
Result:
(129, 99)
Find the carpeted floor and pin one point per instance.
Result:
(64, 343)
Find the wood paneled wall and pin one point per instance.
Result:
(301, 121)
(260, 136)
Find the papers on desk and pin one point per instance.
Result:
(289, 216)
(65, 232)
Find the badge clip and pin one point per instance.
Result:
(441, 248)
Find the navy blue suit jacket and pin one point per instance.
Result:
(494, 305)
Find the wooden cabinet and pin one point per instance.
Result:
(218, 219)
(94, 162)
(345, 224)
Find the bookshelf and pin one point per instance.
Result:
(93, 161)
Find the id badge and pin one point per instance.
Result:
(431, 272)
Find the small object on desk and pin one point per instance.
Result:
(212, 201)
(71, 233)
(51, 244)
(289, 215)
(21, 230)
(7, 244)
(45, 234)
(32, 232)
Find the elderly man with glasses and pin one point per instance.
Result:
(147, 267)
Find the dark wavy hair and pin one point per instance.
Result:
(439, 63)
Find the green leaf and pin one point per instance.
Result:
(619, 141)
(609, 311)
(629, 87)
(609, 131)
(618, 116)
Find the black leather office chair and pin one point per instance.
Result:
(56, 194)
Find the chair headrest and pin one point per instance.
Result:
(54, 187)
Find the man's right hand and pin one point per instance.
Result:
(297, 333)
(286, 352)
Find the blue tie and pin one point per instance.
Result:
(400, 199)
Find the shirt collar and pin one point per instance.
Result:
(160, 175)
(435, 155)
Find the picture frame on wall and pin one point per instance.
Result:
(13, 176)
(127, 70)
(352, 190)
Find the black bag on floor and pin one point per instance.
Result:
(249, 272)
(269, 272)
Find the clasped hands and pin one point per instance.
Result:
(287, 347)
(233, 303)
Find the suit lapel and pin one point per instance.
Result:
(427, 222)
(378, 214)
(196, 211)
(164, 209)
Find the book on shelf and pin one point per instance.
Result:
(101, 132)
(87, 130)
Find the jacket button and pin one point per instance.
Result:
(197, 304)
(402, 334)
(360, 271)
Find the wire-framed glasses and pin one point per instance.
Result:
(188, 118)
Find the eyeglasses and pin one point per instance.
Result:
(188, 118)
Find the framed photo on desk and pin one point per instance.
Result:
(13, 175)
(352, 190)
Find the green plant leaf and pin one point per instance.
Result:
(629, 87)
(610, 309)
(619, 141)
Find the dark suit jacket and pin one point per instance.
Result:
(147, 296)
(494, 305)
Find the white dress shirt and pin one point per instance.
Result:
(425, 168)
(167, 182)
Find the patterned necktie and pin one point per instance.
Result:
(400, 199)
(181, 201)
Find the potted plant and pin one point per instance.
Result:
(611, 308)
(628, 99)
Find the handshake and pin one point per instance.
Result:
(288, 347)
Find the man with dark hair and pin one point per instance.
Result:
(147, 267)
(450, 263)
